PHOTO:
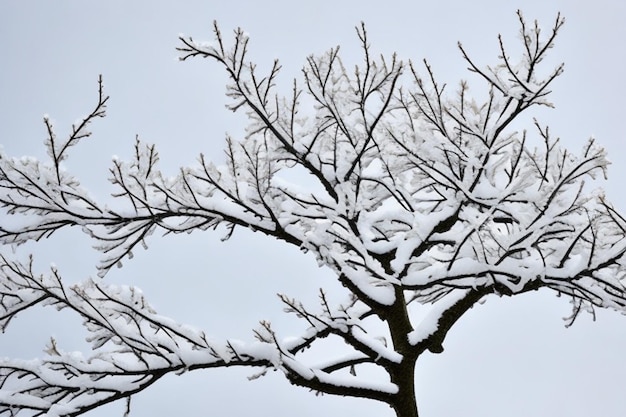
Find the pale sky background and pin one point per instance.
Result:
(508, 357)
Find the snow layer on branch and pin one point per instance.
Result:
(354, 382)
(431, 322)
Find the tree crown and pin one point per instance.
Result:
(422, 201)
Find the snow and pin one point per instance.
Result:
(355, 382)
(378, 291)
(376, 345)
(430, 323)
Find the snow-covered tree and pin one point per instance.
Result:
(424, 204)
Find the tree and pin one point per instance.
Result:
(424, 205)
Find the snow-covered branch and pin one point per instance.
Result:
(133, 347)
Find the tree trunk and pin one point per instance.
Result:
(402, 374)
(406, 408)
(405, 403)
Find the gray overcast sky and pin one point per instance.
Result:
(507, 357)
